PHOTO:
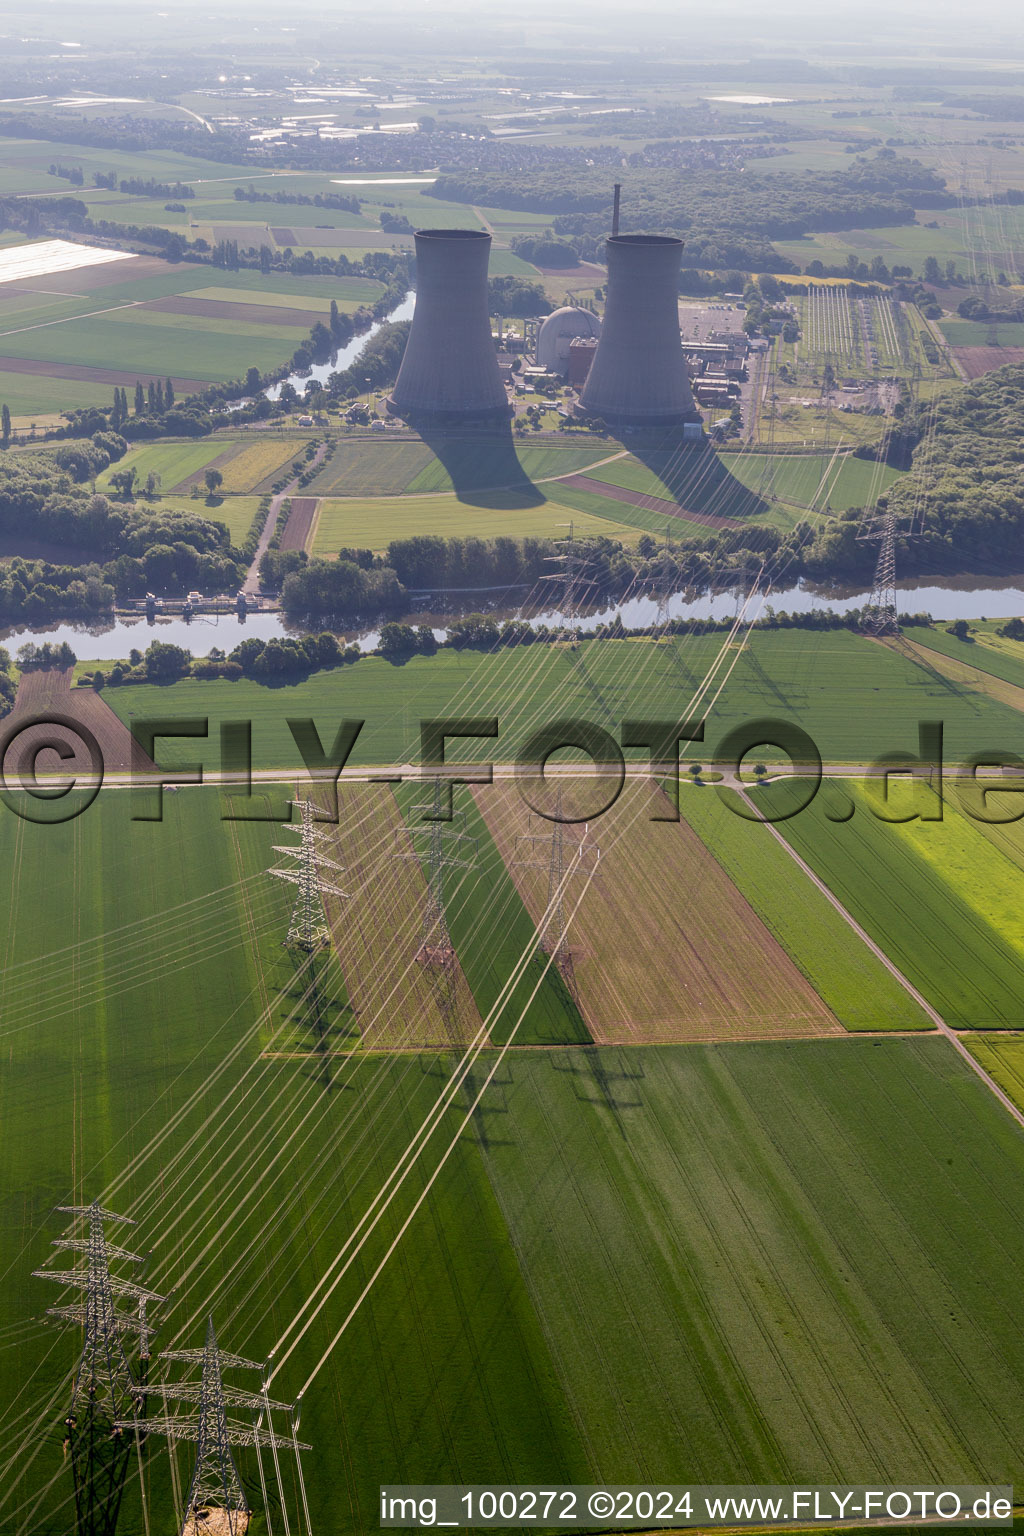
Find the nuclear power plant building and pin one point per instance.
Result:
(639, 375)
(557, 334)
(449, 372)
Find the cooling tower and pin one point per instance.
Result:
(450, 371)
(638, 377)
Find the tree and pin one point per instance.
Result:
(164, 660)
(959, 628)
(168, 394)
(140, 399)
(123, 481)
(214, 480)
(695, 770)
(5, 426)
(760, 770)
(397, 640)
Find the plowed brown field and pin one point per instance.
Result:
(49, 693)
(378, 931)
(300, 522)
(978, 360)
(664, 947)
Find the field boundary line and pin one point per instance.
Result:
(309, 544)
(41, 325)
(876, 949)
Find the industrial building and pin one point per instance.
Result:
(639, 376)
(449, 373)
(558, 332)
(582, 352)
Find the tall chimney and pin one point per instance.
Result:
(615, 209)
(639, 377)
(450, 370)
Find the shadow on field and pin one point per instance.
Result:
(605, 1068)
(484, 467)
(694, 477)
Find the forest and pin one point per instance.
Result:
(726, 221)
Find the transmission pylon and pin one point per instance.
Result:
(567, 576)
(439, 841)
(308, 929)
(664, 587)
(880, 617)
(560, 849)
(215, 1504)
(106, 1398)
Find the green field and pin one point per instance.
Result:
(1003, 1059)
(855, 699)
(29, 396)
(699, 479)
(856, 986)
(473, 469)
(747, 1223)
(807, 480)
(361, 467)
(373, 523)
(976, 333)
(989, 235)
(987, 651)
(131, 342)
(248, 463)
(173, 462)
(937, 896)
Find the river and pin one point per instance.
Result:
(962, 598)
(346, 355)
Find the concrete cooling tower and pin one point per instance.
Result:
(638, 377)
(449, 373)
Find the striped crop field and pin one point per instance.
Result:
(938, 896)
(851, 980)
(174, 463)
(695, 963)
(372, 522)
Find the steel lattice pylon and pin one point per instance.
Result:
(308, 929)
(216, 1501)
(880, 617)
(106, 1399)
(568, 578)
(443, 841)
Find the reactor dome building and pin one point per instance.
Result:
(558, 332)
(638, 377)
(449, 373)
